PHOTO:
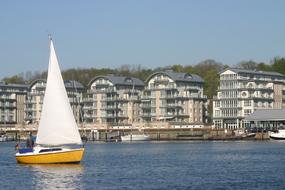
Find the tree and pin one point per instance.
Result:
(250, 65)
(211, 80)
(177, 68)
(14, 80)
(211, 85)
(263, 67)
(203, 67)
(188, 69)
(278, 65)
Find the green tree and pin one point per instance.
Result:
(263, 67)
(14, 80)
(177, 68)
(203, 67)
(210, 87)
(250, 65)
(188, 69)
(211, 79)
(278, 65)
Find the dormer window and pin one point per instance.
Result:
(188, 76)
(128, 80)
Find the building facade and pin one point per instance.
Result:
(266, 120)
(241, 92)
(12, 103)
(113, 100)
(171, 96)
(35, 95)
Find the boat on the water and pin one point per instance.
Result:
(58, 139)
(135, 137)
(3, 138)
(279, 135)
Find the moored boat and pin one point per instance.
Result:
(3, 138)
(135, 137)
(279, 135)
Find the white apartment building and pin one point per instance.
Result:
(241, 92)
(12, 103)
(35, 95)
(113, 100)
(177, 97)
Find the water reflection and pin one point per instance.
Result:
(57, 176)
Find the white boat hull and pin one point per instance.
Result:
(280, 135)
(3, 139)
(135, 138)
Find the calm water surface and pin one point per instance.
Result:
(155, 165)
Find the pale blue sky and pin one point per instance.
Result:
(153, 33)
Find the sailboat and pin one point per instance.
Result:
(58, 137)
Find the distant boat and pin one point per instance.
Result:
(3, 138)
(135, 137)
(57, 126)
(280, 135)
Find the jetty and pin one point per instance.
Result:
(157, 131)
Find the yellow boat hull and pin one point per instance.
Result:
(70, 156)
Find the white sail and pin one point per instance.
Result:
(57, 124)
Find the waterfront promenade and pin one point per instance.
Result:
(157, 131)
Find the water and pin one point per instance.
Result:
(156, 165)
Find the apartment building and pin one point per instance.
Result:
(241, 92)
(35, 95)
(171, 96)
(12, 103)
(113, 100)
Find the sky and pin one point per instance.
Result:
(150, 33)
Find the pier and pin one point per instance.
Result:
(157, 131)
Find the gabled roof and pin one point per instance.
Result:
(67, 83)
(36, 81)
(73, 84)
(267, 115)
(237, 70)
(182, 77)
(119, 80)
(18, 86)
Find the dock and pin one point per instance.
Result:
(156, 131)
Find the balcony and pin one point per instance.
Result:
(89, 107)
(148, 115)
(230, 108)
(89, 116)
(172, 105)
(30, 101)
(30, 109)
(161, 80)
(88, 100)
(36, 93)
(8, 105)
(96, 91)
(110, 108)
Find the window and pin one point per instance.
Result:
(217, 104)
(247, 111)
(247, 102)
(217, 113)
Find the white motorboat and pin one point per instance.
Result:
(3, 138)
(135, 137)
(280, 135)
